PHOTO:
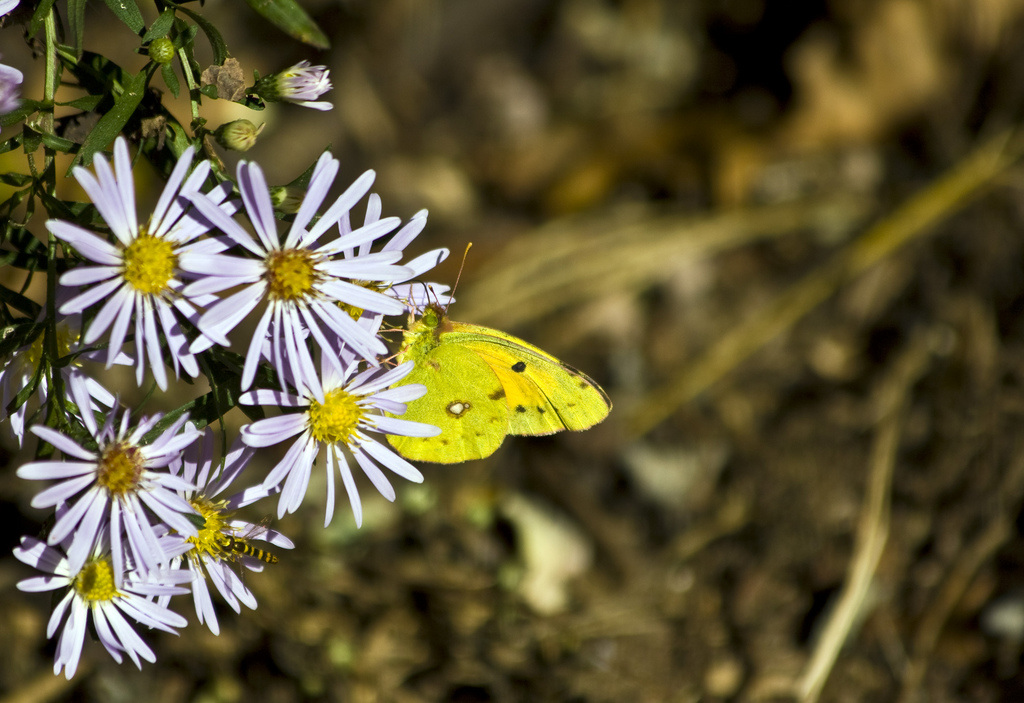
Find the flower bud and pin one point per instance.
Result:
(286, 200)
(239, 135)
(161, 50)
(301, 84)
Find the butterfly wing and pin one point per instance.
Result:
(464, 399)
(543, 395)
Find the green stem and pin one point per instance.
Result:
(52, 79)
(56, 412)
(193, 87)
(44, 123)
(56, 409)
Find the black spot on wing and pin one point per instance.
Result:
(520, 409)
(541, 410)
(498, 394)
(519, 366)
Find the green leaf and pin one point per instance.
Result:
(76, 20)
(97, 74)
(170, 78)
(302, 180)
(186, 35)
(15, 179)
(291, 19)
(60, 144)
(39, 17)
(111, 124)
(161, 27)
(11, 144)
(220, 49)
(128, 12)
(31, 138)
(179, 139)
(86, 103)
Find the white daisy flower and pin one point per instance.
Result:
(118, 484)
(222, 541)
(96, 591)
(340, 425)
(301, 282)
(137, 277)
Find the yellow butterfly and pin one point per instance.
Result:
(483, 384)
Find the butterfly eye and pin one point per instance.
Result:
(430, 317)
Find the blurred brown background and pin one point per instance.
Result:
(786, 238)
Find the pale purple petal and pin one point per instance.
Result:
(46, 471)
(256, 196)
(376, 476)
(273, 430)
(90, 297)
(61, 442)
(86, 243)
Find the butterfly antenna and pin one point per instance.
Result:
(458, 276)
(431, 295)
(427, 290)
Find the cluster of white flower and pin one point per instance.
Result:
(137, 499)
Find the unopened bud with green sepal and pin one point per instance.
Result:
(239, 135)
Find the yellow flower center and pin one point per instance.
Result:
(336, 419)
(149, 264)
(120, 467)
(290, 274)
(95, 582)
(210, 539)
